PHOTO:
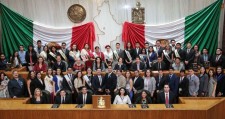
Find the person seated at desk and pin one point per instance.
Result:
(78, 65)
(3, 85)
(84, 97)
(138, 65)
(122, 97)
(120, 65)
(38, 98)
(166, 97)
(159, 65)
(3, 62)
(15, 60)
(63, 98)
(144, 98)
(59, 64)
(17, 86)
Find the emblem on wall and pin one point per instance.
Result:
(76, 13)
(138, 14)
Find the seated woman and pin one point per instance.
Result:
(122, 97)
(120, 65)
(79, 82)
(38, 98)
(40, 66)
(143, 99)
(3, 62)
(78, 65)
(4, 86)
(98, 64)
(15, 60)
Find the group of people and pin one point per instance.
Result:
(66, 82)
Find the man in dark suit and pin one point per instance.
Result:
(65, 51)
(158, 48)
(205, 57)
(160, 81)
(59, 64)
(159, 65)
(166, 97)
(183, 85)
(84, 97)
(189, 56)
(138, 65)
(17, 86)
(173, 81)
(178, 52)
(147, 48)
(138, 82)
(136, 50)
(110, 82)
(218, 59)
(63, 98)
(98, 83)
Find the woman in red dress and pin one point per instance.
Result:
(87, 56)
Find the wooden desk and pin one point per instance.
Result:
(189, 108)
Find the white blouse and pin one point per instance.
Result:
(122, 100)
(49, 83)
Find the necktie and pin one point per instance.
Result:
(188, 51)
(20, 83)
(180, 79)
(100, 80)
(84, 99)
(217, 58)
(159, 65)
(167, 99)
(63, 100)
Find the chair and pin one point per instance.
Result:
(47, 96)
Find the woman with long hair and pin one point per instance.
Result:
(98, 64)
(58, 78)
(31, 77)
(212, 84)
(31, 57)
(40, 66)
(50, 84)
(38, 98)
(4, 93)
(122, 97)
(203, 82)
(79, 82)
(129, 84)
(15, 60)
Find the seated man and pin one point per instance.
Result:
(166, 97)
(63, 98)
(84, 97)
(17, 86)
(59, 64)
(138, 65)
(159, 65)
(177, 65)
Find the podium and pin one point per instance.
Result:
(101, 101)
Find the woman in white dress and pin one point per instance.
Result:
(108, 56)
(129, 84)
(45, 54)
(79, 82)
(73, 55)
(50, 84)
(122, 97)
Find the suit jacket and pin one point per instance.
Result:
(220, 87)
(153, 56)
(96, 84)
(36, 84)
(88, 99)
(156, 67)
(66, 53)
(184, 85)
(61, 66)
(162, 100)
(220, 62)
(135, 53)
(193, 84)
(66, 85)
(181, 53)
(173, 83)
(201, 59)
(34, 57)
(131, 51)
(189, 57)
(123, 67)
(160, 82)
(160, 51)
(42, 100)
(58, 100)
(141, 66)
(110, 81)
(139, 83)
(15, 89)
